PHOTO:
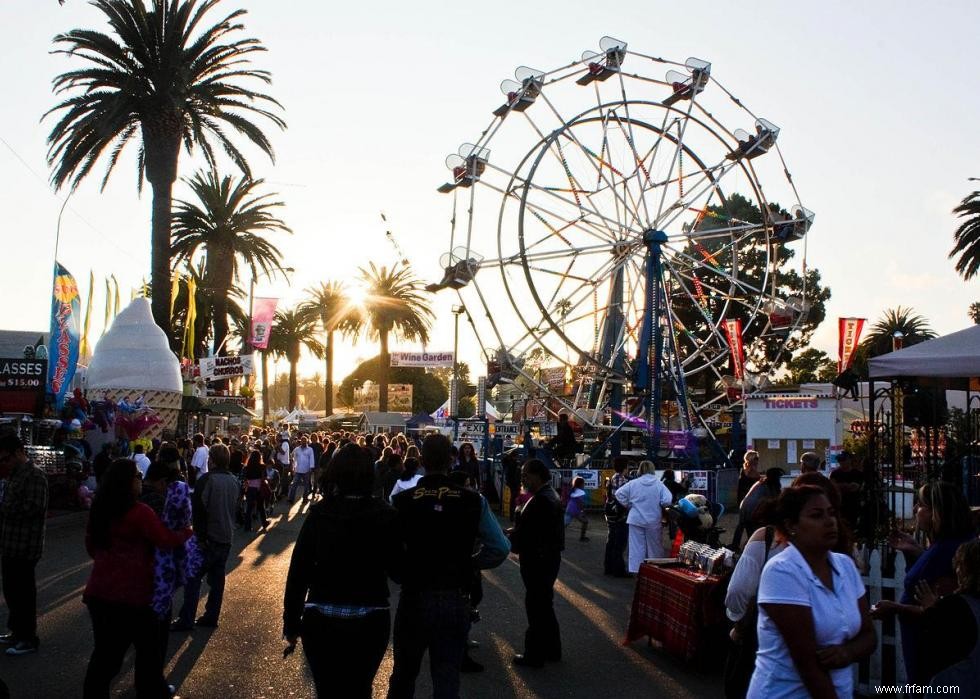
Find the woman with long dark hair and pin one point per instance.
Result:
(470, 465)
(337, 588)
(122, 537)
(943, 515)
(254, 473)
(813, 608)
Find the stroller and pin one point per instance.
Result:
(697, 520)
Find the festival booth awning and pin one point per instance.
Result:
(229, 409)
(419, 420)
(954, 356)
(386, 422)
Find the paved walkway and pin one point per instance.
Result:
(243, 657)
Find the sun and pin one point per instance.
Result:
(357, 296)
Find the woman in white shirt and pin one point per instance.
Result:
(813, 610)
(409, 478)
(646, 497)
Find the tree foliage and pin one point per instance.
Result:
(329, 304)
(966, 247)
(880, 335)
(227, 223)
(394, 304)
(165, 78)
(293, 331)
(752, 267)
(428, 391)
(811, 366)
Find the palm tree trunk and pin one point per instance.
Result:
(383, 373)
(220, 282)
(328, 388)
(161, 142)
(293, 385)
(265, 386)
(160, 258)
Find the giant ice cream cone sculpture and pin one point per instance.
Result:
(134, 359)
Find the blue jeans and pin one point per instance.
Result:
(433, 620)
(299, 478)
(215, 560)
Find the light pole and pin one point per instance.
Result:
(248, 333)
(454, 385)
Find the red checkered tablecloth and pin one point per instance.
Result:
(673, 606)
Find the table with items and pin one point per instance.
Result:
(678, 607)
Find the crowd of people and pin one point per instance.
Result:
(799, 609)
(418, 513)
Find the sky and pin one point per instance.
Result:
(877, 104)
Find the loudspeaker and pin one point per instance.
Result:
(926, 408)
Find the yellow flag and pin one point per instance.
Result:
(108, 306)
(174, 290)
(116, 303)
(84, 350)
(190, 318)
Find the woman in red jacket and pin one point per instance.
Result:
(122, 536)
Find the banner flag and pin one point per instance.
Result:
(85, 348)
(849, 330)
(108, 306)
(190, 318)
(64, 337)
(263, 313)
(733, 331)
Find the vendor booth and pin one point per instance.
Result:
(910, 413)
(783, 425)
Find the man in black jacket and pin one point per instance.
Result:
(538, 538)
(441, 523)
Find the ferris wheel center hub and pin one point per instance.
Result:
(654, 236)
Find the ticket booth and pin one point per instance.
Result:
(782, 426)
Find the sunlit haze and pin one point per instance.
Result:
(877, 104)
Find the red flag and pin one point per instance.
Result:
(850, 334)
(263, 312)
(733, 331)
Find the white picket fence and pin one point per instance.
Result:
(887, 664)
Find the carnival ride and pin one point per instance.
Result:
(613, 226)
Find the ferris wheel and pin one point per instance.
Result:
(627, 224)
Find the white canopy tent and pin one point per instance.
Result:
(952, 356)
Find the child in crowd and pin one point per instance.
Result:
(575, 509)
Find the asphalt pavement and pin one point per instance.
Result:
(242, 658)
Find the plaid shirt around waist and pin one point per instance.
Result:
(23, 511)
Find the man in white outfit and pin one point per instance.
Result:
(303, 465)
(646, 497)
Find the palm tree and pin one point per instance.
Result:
(330, 305)
(394, 304)
(228, 225)
(161, 78)
(293, 331)
(967, 236)
(974, 312)
(205, 306)
(913, 327)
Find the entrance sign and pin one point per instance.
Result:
(422, 359)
